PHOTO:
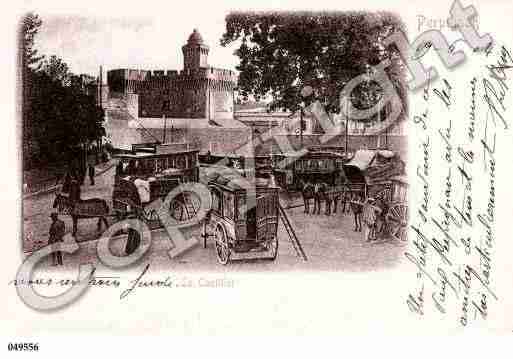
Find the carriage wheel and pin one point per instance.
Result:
(272, 247)
(397, 218)
(185, 206)
(222, 250)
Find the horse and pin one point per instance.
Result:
(320, 194)
(345, 199)
(83, 208)
(307, 191)
(333, 195)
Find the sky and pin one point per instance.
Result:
(140, 42)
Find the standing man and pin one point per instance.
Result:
(356, 207)
(317, 198)
(67, 183)
(370, 213)
(119, 168)
(91, 162)
(91, 174)
(307, 192)
(57, 230)
(74, 191)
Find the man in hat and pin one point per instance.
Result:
(74, 191)
(57, 230)
(370, 213)
(91, 170)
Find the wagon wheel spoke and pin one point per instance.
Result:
(181, 207)
(398, 221)
(222, 250)
(184, 206)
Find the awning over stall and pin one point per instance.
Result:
(373, 166)
(362, 159)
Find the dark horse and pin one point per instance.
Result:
(307, 190)
(332, 195)
(321, 194)
(382, 204)
(83, 208)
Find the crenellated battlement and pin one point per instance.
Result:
(134, 81)
(196, 91)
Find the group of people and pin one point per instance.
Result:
(365, 210)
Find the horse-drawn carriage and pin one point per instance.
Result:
(391, 198)
(151, 172)
(238, 223)
(378, 174)
(314, 166)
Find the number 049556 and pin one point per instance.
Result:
(23, 347)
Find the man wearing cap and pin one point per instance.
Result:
(370, 212)
(57, 230)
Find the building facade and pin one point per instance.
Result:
(197, 91)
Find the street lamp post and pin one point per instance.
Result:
(165, 127)
(165, 107)
(348, 101)
(347, 127)
(301, 126)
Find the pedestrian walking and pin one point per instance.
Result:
(91, 174)
(119, 169)
(66, 186)
(74, 191)
(57, 230)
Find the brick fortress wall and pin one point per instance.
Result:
(197, 91)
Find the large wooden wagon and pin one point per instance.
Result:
(391, 196)
(238, 223)
(397, 214)
(151, 172)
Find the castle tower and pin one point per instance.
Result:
(195, 52)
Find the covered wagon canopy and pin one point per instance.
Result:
(372, 166)
(230, 178)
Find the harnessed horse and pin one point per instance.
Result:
(87, 208)
(307, 190)
(320, 194)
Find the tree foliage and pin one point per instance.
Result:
(57, 70)
(280, 53)
(30, 25)
(59, 116)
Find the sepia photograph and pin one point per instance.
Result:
(179, 172)
(326, 170)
